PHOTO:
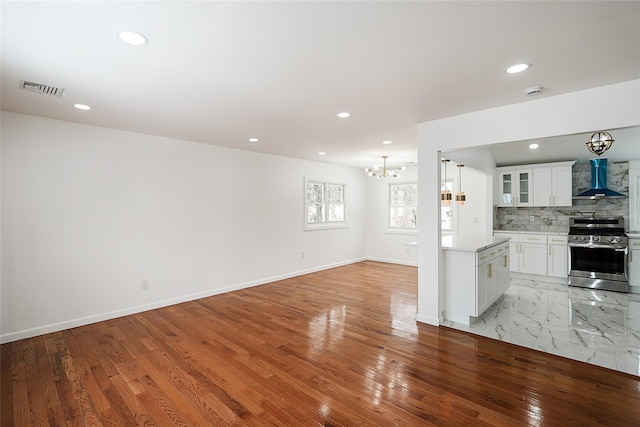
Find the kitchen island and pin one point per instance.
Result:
(476, 275)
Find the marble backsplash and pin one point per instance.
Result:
(556, 219)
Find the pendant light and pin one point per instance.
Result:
(460, 197)
(445, 194)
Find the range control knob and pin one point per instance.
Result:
(595, 238)
(616, 240)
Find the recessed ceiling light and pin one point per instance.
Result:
(253, 139)
(533, 146)
(387, 142)
(344, 115)
(82, 107)
(133, 38)
(321, 153)
(518, 68)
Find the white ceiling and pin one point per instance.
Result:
(221, 72)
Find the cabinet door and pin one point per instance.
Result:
(533, 258)
(542, 195)
(557, 261)
(634, 262)
(524, 183)
(514, 257)
(634, 195)
(484, 275)
(561, 186)
(506, 188)
(502, 274)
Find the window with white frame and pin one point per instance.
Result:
(324, 205)
(403, 206)
(446, 212)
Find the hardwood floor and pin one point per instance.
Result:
(338, 347)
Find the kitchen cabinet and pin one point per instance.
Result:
(514, 187)
(544, 184)
(634, 265)
(557, 256)
(552, 185)
(540, 254)
(634, 195)
(474, 280)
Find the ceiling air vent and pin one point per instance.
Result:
(41, 89)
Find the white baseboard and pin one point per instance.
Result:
(73, 323)
(634, 289)
(393, 261)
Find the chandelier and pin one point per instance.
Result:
(599, 142)
(381, 171)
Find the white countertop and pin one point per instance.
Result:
(550, 233)
(633, 234)
(469, 243)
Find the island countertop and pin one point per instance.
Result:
(457, 242)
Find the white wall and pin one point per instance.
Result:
(560, 115)
(383, 245)
(89, 212)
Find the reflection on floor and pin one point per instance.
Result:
(598, 327)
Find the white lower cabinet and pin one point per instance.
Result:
(474, 281)
(540, 254)
(634, 265)
(558, 255)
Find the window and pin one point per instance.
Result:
(403, 206)
(446, 212)
(325, 206)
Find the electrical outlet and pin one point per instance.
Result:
(144, 285)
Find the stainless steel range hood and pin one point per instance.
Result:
(599, 182)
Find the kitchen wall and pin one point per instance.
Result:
(89, 212)
(556, 219)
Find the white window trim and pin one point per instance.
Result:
(398, 230)
(323, 225)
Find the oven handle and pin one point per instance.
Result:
(596, 246)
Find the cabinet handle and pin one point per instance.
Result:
(630, 256)
(489, 272)
(504, 261)
(492, 254)
(549, 250)
(550, 200)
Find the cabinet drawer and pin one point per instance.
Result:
(488, 254)
(534, 238)
(557, 240)
(634, 244)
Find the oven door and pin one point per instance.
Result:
(598, 261)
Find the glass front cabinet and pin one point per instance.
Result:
(514, 187)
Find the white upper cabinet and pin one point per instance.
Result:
(552, 185)
(514, 187)
(545, 184)
(634, 195)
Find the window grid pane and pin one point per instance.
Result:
(403, 205)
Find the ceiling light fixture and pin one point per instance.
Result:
(253, 139)
(460, 197)
(82, 107)
(599, 142)
(321, 153)
(133, 38)
(387, 142)
(445, 193)
(381, 171)
(534, 146)
(518, 68)
(344, 115)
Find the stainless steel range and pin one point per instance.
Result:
(598, 253)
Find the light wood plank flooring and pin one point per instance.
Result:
(334, 348)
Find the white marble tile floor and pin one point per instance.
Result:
(598, 327)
